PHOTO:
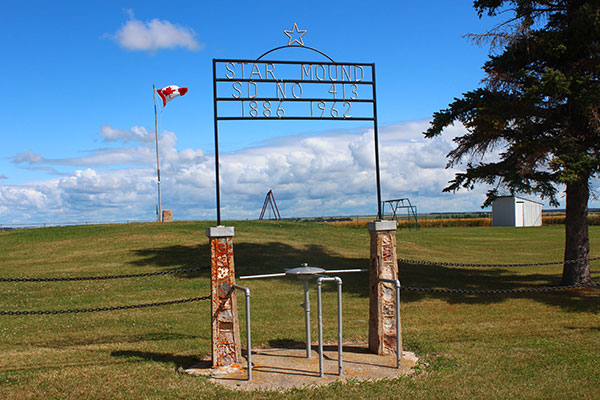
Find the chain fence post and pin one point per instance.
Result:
(383, 337)
(225, 329)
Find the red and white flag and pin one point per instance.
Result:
(168, 93)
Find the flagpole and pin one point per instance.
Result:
(157, 159)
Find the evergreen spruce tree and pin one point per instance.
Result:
(539, 107)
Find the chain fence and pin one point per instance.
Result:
(498, 291)
(452, 264)
(106, 277)
(204, 268)
(207, 268)
(100, 309)
(593, 285)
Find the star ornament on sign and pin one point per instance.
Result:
(298, 39)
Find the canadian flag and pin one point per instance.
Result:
(168, 93)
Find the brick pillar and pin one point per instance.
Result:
(226, 349)
(382, 310)
(167, 216)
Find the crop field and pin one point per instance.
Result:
(471, 346)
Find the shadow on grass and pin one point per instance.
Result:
(165, 358)
(442, 277)
(273, 257)
(112, 339)
(583, 328)
(176, 257)
(249, 258)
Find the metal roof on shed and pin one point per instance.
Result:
(520, 198)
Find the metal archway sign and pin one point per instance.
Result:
(259, 90)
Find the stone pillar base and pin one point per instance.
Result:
(167, 216)
(383, 264)
(225, 332)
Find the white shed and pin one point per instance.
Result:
(516, 211)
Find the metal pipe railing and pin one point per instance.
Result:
(279, 275)
(304, 273)
(306, 306)
(248, 330)
(338, 280)
(343, 271)
(396, 282)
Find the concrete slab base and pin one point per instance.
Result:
(277, 369)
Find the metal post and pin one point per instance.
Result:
(248, 330)
(376, 138)
(306, 306)
(157, 160)
(320, 323)
(398, 327)
(340, 344)
(218, 190)
(338, 280)
(396, 282)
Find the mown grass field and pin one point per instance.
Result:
(530, 346)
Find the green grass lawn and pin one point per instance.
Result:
(532, 345)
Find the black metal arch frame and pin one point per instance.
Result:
(301, 47)
(372, 100)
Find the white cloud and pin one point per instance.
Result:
(154, 35)
(135, 134)
(25, 197)
(116, 183)
(140, 151)
(27, 157)
(331, 174)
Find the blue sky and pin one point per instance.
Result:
(78, 119)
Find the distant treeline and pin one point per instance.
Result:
(451, 222)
